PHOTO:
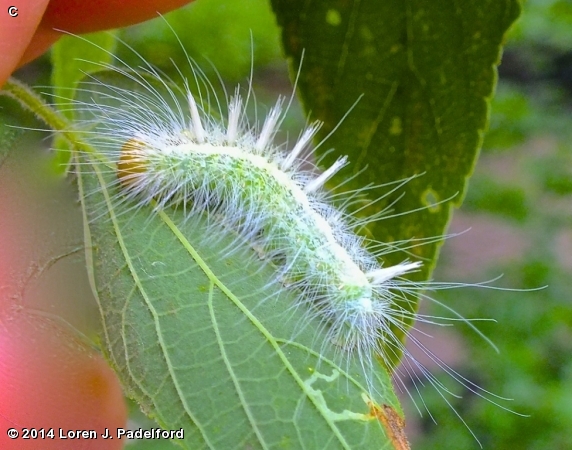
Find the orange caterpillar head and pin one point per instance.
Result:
(131, 162)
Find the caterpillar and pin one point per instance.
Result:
(262, 194)
(168, 147)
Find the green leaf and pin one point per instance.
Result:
(72, 58)
(423, 72)
(204, 339)
(225, 38)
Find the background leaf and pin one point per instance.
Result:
(424, 72)
(226, 38)
(73, 58)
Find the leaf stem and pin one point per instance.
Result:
(31, 101)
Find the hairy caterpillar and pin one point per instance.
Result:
(263, 194)
(167, 151)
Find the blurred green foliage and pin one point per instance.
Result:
(524, 181)
(494, 196)
(227, 35)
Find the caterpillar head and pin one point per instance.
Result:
(132, 163)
